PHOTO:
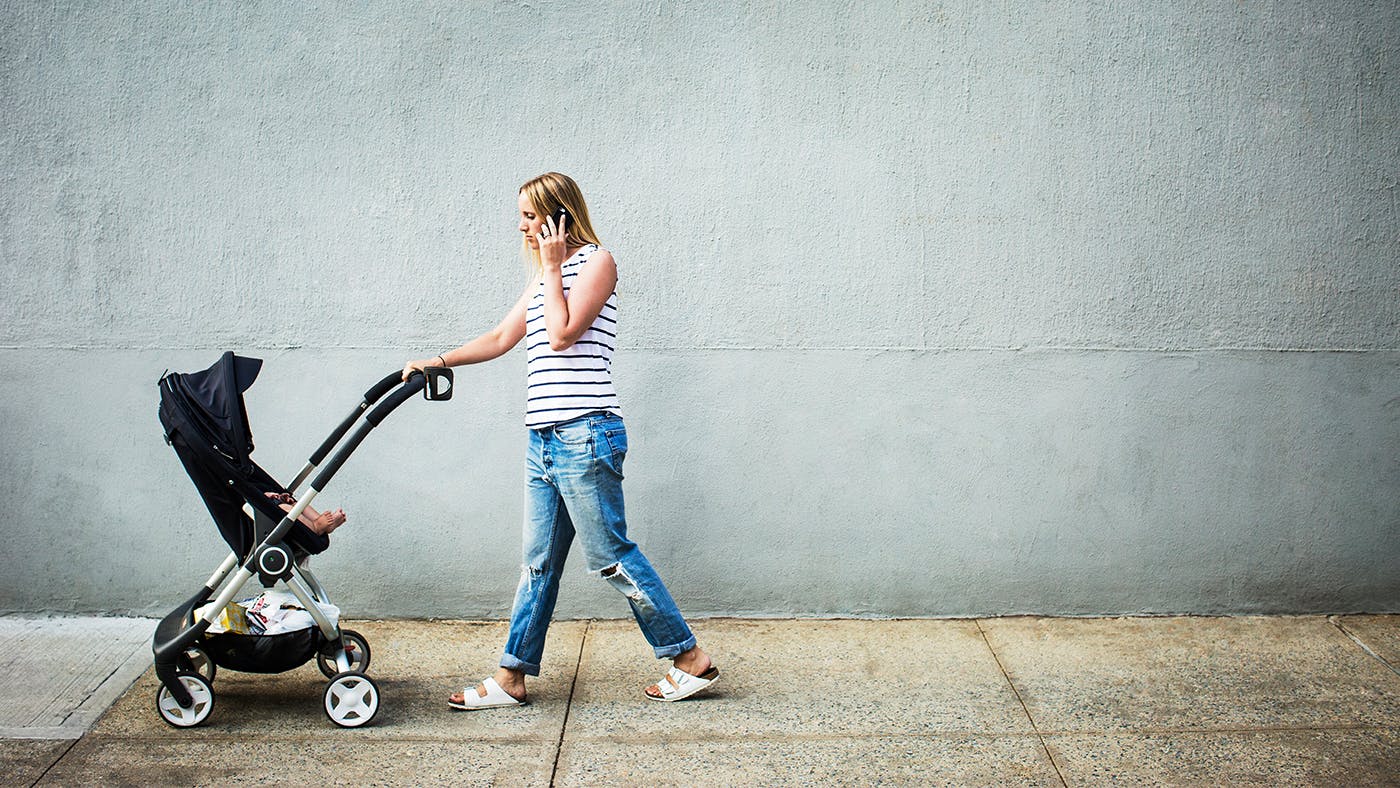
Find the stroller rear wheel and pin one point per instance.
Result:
(196, 661)
(356, 649)
(352, 699)
(198, 712)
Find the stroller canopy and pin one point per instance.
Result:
(206, 423)
(215, 397)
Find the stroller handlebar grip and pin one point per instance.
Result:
(382, 387)
(334, 438)
(371, 396)
(415, 384)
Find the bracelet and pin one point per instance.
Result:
(443, 360)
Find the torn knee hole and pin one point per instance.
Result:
(616, 575)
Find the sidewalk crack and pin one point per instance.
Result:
(569, 704)
(1024, 709)
(66, 750)
(1336, 622)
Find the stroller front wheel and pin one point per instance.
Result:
(352, 699)
(198, 712)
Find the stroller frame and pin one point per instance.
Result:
(185, 697)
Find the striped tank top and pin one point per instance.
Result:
(565, 384)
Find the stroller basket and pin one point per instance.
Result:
(264, 653)
(206, 423)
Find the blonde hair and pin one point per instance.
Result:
(550, 191)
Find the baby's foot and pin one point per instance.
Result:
(328, 521)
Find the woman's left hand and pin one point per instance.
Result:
(553, 243)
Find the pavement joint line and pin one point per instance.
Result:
(1043, 746)
(617, 738)
(49, 768)
(229, 738)
(996, 734)
(115, 669)
(1336, 622)
(875, 736)
(1215, 731)
(1184, 348)
(569, 704)
(634, 739)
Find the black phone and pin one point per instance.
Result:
(560, 214)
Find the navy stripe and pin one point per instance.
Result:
(601, 316)
(576, 342)
(572, 383)
(548, 410)
(543, 356)
(567, 369)
(550, 421)
(539, 297)
(572, 396)
(591, 342)
(590, 328)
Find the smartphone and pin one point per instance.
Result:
(560, 214)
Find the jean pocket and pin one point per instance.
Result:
(616, 438)
(575, 433)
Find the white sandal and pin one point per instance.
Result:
(678, 685)
(496, 698)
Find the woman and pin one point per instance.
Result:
(568, 318)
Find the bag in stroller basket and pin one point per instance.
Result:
(206, 422)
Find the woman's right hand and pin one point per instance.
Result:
(417, 365)
(422, 363)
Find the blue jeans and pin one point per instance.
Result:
(573, 484)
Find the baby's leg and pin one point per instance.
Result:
(319, 522)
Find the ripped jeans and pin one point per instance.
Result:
(573, 484)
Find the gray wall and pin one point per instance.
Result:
(929, 309)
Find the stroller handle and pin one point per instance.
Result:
(371, 396)
(415, 384)
(382, 387)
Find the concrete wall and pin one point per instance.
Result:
(929, 309)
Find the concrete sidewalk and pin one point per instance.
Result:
(1181, 700)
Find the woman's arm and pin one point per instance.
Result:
(493, 344)
(565, 319)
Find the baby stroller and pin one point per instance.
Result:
(206, 423)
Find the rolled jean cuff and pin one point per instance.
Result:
(509, 662)
(666, 652)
